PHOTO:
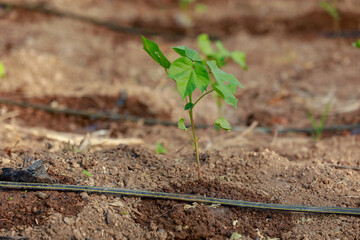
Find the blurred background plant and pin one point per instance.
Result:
(318, 126)
(356, 44)
(184, 18)
(222, 56)
(330, 6)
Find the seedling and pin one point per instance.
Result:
(222, 56)
(318, 127)
(199, 7)
(87, 174)
(160, 149)
(331, 8)
(184, 17)
(190, 72)
(356, 44)
(184, 4)
(2, 70)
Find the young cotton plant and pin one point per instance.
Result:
(191, 72)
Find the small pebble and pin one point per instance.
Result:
(109, 218)
(5, 161)
(84, 196)
(41, 195)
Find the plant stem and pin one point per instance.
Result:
(202, 97)
(206, 130)
(219, 105)
(195, 140)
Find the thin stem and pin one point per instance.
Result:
(202, 97)
(195, 140)
(205, 131)
(219, 105)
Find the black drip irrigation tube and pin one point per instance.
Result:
(342, 34)
(44, 9)
(100, 115)
(131, 30)
(181, 197)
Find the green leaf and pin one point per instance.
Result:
(184, 4)
(181, 125)
(221, 54)
(154, 51)
(357, 44)
(2, 70)
(239, 58)
(188, 52)
(323, 117)
(160, 149)
(201, 8)
(225, 83)
(188, 76)
(223, 123)
(222, 51)
(226, 94)
(204, 44)
(188, 106)
(180, 50)
(202, 76)
(312, 119)
(318, 127)
(86, 173)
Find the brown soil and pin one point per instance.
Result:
(203, 222)
(63, 59)
(28, 208)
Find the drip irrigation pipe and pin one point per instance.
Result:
(42, 8)
(181, 197)
(342, 34)
(152, 121)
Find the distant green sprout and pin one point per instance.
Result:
(2, 70)
(318, 127)
(184, 4)
(201, 8)
(331, 8)
(221, 55)
(190, 72)
(160, 149)
(88, 174)
(356, 44)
